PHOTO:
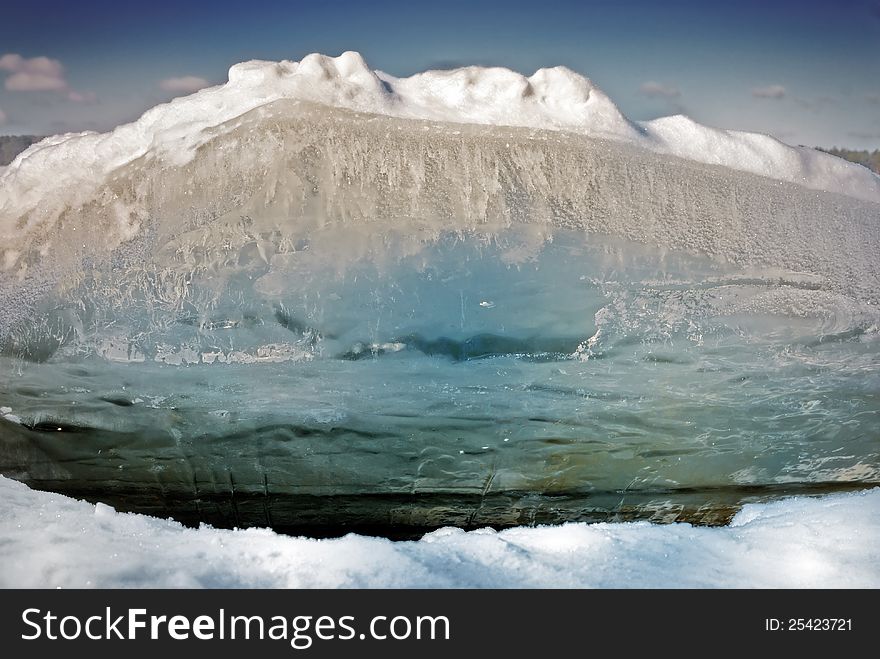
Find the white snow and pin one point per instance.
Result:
(65, 171)
(48, 541)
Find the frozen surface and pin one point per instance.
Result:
(52, 541)
(319, 295)
(373, 381)
(264, 184)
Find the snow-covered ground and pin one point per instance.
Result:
(49, 541)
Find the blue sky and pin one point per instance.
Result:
(807, 72)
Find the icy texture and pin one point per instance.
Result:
(274, 303)
(831, 542)
(263, 183)
(62, 174)
(370, 380)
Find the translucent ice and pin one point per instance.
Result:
(317, 297)
(359, 381)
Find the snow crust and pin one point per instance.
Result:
(66, 170)
(52, 541)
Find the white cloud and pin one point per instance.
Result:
(38, 74)
(34, 82)
(2, 117)
(655, 89)
(184, 84)
(38, 65)
(34, 74)
(769, 91)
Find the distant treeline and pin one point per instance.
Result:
(12, 145)
(870, 159)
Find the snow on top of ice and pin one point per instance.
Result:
(54, 541)
(556, 99)
(65, 170)
(761, 154)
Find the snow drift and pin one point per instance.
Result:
(831, 542)
(554, 99)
